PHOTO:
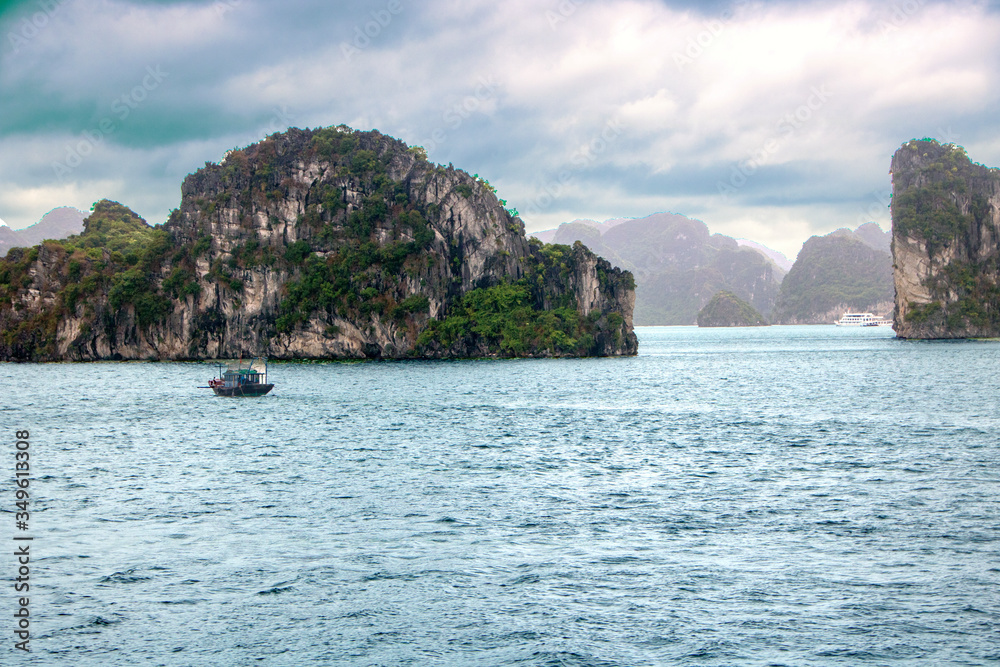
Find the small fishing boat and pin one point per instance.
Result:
(239, 379)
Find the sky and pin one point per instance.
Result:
(771, 121)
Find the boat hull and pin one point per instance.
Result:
(862, 320)
(243, 390)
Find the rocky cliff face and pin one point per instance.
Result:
(322, 244)
(946, 243)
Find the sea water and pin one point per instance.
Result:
(769, 496)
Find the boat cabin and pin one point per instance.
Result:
(242, 376)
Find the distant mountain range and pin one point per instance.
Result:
(549, 235)
(873, 236)
(778, 258)
(679, 265)
(56, 224)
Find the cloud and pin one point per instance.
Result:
(777, 119)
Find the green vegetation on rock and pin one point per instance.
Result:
(525, 317)
(930, 212)
(507, 323)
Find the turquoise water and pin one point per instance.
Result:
(772, 496)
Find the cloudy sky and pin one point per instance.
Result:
(768, 120)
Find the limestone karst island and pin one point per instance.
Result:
(725, 309)
(946, 243)
(325, 244)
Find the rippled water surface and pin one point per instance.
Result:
(776, 496)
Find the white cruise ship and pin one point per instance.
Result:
(863, 320)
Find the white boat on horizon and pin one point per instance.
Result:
(863, 320)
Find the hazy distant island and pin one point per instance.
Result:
(328, 243)
(842, 271)
(946, 226)
(725, 309)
